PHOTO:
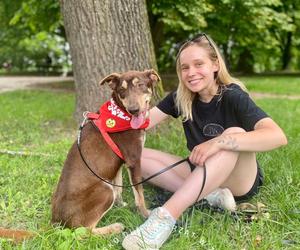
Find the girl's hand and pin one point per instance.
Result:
(203, 151)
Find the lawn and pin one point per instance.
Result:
(278, 84)
(41, 122)
(272, 84)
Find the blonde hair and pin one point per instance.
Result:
(185, 97)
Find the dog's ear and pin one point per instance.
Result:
(154, 79)
(112, 80)
(153, 75)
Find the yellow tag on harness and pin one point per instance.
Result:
(110, 123)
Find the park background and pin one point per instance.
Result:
(260, 41)
(255, 36)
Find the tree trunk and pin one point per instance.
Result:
(226, 56)
(286, 53)
(105, 36)
(245, 62)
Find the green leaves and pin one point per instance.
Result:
(253, 35)
(254, 28)
(37, 15)
(31, 35)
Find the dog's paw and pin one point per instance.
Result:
(145, 213)
(117, 227)
(114, 228)
(148, 212)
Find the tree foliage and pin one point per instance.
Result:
(253, 35)
(248, 32)
(32, 36)
(173, 22)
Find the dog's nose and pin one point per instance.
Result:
(133, 111)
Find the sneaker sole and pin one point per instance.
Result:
(132, 243)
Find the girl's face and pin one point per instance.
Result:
(197, 71)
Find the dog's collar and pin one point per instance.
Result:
(114, 119)
(111, 119)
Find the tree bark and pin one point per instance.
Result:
(105, 36)
(286, 52)
(245, 62)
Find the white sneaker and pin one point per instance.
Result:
(223, 198)
(153, 233)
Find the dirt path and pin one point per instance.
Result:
(256, 95)
(10, 83)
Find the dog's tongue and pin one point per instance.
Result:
(137, 121)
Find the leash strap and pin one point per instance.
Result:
(125, 186)
(96, 116)
(165, 169)
(203, 182)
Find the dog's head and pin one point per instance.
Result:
(132, 91)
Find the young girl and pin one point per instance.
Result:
(223, 127)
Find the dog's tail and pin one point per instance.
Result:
(16, 235)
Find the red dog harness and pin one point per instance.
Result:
(112, 119)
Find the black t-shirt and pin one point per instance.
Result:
(232, 108)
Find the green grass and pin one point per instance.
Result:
(287, 85)
(41, 122)
(274, 84)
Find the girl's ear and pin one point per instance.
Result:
(216, 66)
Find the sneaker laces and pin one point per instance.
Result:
(157, 223)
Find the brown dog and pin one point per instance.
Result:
(81, 199)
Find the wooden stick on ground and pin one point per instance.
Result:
(16, 235)
(21, 153)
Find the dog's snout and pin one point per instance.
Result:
(133, 110)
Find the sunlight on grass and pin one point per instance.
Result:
(42, 122)
(287, 85)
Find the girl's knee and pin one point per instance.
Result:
(232, 130)
(149, 153)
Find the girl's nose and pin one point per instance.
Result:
(191, 71)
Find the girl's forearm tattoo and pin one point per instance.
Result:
(229, 141)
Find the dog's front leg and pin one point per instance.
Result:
(138, 191)
(118, 190)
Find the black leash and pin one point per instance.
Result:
(125, 186)
(203, 182)
(147, 179)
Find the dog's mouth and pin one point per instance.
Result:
(138, 120)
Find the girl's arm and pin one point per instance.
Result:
(156, 116)
(267, 135)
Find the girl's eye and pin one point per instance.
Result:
(184, 68)
(199, 64)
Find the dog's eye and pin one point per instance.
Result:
(122, 94)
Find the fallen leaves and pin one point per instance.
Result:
(253, 212)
